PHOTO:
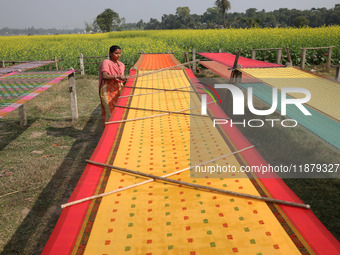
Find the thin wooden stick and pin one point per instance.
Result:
(159, 89)
(154, 92)
(153, 116)
(315, 48)
(153, 110)
(197, 186)
(26, 189)
(160, 70)
(267, 49)
(149, 180)
(10, 193)
(143, 118)
(175, 89)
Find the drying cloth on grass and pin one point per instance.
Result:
(17, 89)
(163, 218)
(24, 66)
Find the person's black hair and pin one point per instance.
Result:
(113, 48)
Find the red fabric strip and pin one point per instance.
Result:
(228, 59)
(223, 71)
(66, 231)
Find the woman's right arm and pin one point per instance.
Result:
(107, 76)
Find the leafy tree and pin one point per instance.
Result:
(153, 24)
(95, 27)
(212, 16)
(223, 6)
(183, 12)
(170, 21)
(108, 20)
(270, 21)
(282, 15)
(334, 17)
(301, 21)
(31, 31)
(181, 20)
(140, 24)
(197, 21)
(88, 27)
(251, 12)
(250, 22)
(184, 18)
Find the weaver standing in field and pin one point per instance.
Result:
(111, 78)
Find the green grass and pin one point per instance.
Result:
(47, 160)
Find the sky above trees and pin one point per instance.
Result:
(65, 14)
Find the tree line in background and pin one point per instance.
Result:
(217, 17)
(38, 31)
(214, 17)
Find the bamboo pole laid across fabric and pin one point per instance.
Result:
(188, 91)
(187, 184)
(149, 180)
(197, 186)
(154, 110)
(161, 70)
(154, 116)
(164, 90)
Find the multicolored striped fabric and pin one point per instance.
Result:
(154, 217)
(322, 126)
(17, 89)
(24, 66)
(228, 59)
(324, 92)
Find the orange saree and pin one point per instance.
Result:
(109, 89)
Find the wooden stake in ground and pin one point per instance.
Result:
(289, 59)
(56, 62)
(235, 72)
(73, 96)
(23, 115)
